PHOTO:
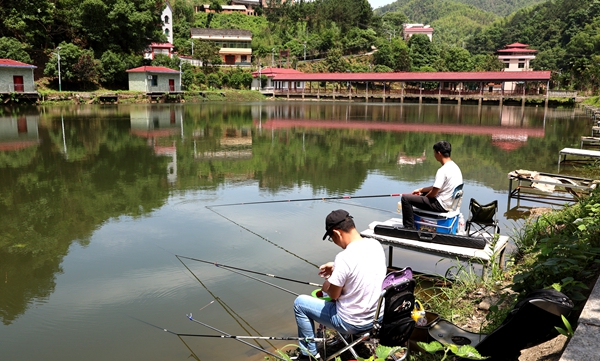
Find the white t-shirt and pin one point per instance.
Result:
(446, 179)
(359, 270)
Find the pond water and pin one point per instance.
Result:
(97, 201)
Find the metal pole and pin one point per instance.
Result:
(304, 51)
(59, 77)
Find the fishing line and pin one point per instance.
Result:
(306, 199)
(238, 339)
(227, 309)
(261, 237)
(171, 332)
(250, 271)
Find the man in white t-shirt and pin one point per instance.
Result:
(437, 197)
(353, 281)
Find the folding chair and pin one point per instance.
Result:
(531, 322)
(444, 222)
(482, 218)
(398, 300)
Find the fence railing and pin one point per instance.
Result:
(17, 88)
(162, 88)
(562, 94)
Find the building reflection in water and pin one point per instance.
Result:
(160, 125)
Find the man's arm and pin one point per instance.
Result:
(430, 192)
(332, 290)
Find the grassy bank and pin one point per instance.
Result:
(132, 97)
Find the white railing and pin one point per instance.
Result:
(562, 94)
(18, 88)
(162, 88)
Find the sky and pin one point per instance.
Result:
(379, 3)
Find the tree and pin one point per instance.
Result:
(393, 54)
(11, 48)
(457, 59)
(422, 52)
(85, 70)
(69, 56)
(335, 62)
(207, 52)
(112, 69)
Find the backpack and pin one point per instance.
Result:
(397, 325)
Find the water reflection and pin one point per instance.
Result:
(87, 191)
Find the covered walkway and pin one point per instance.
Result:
(398, 86)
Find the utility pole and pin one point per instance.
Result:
(304, 51)
(58, 57)
(273, 57)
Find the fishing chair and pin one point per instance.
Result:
(444, 222)
(531, 322)
(482, 218)
(397, 300)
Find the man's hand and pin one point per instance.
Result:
(326, 270)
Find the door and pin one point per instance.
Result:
(18, 81)
(230, 59)
(171, 85)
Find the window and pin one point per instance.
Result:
(167, 32)
(521, 65)
(167, 19)
(244, 58)
(154, 81)
(506, 65)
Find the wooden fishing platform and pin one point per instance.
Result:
(485, 256)
(595, 131)
(580, 153)
(589, 141)
(548, 187)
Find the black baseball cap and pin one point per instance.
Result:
(333, 219)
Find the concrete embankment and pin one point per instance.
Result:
(584, 343)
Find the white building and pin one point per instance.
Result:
(167, 29)
(409, 30)
(154, 79)
(16, 77)
(516, 57)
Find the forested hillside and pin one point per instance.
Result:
(566, 33)
(497, 7)
(100, 39)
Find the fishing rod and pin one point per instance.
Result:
(230, 336)
(306, 199)
(250, 271)
(236, 317)
(261, 237)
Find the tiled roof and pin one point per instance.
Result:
(9, 63)
(418, 30)
(274, 71)
(162, 45)
(152, 69)
(491, 76)
(516, 45)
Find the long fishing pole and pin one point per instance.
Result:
(238, 339)
(307, 199)
(225, 306)
(250, 271)
(306, 339)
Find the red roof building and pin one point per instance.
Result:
(413, 29)
(154, 79)
(16, 77)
